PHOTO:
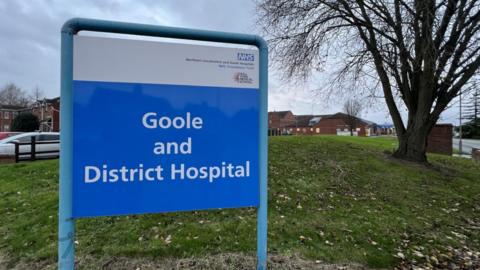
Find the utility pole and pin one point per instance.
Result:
(460, 127)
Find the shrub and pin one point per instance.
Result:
(25, 122)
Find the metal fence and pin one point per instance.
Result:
(34, 154)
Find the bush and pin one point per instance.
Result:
(471, 129)
(25, 122)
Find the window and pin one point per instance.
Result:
(6, 127)
(25, 139)
(7, 115)
(317, 130)
(311, 129)
(48, 137)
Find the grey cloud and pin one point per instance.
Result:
(30, 30)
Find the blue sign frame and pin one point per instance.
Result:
(66, 232)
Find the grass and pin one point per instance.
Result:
(336, 199)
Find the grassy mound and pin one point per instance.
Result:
(335, 199)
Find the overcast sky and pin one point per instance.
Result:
(30, 43)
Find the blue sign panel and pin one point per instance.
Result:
(163, 129)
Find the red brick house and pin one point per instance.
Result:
(48, 112)
(332, 124)
(278, 121)
(339, 124)
(7, 114)
(304, 124)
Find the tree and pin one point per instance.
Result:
(25, 122)
(420, 53)
(352, 109)
(11, 94)
(471, 129)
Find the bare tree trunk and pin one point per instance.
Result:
(412, 144)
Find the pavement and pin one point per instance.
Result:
(467, 145)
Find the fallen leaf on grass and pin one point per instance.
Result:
(168, 240)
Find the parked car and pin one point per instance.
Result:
(7, 145)
(4, 135)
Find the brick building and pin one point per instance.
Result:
(48, 112)
(7, 114)
(331, 124)
(278, 121)
(440, 139)
(304, 124)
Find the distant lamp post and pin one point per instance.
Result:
(460, 127)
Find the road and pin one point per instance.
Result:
(467, 145)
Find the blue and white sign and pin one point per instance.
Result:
(161, 127)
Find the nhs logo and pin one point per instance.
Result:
(245, 57)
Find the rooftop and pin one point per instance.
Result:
(11, 107)
(309, 120)
(280, 114)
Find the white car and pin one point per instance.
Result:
(7, 145)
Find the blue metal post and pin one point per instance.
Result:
(66, 224)
(262, 220)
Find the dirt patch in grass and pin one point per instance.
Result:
(215, 262)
